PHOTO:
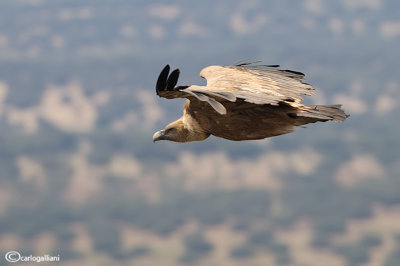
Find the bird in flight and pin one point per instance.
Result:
(245, 101)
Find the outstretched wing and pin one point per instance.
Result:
(258, 84)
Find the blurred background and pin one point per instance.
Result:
(80, 176)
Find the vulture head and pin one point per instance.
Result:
(177, 131)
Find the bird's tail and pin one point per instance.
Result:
(324, 112)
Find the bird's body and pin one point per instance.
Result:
(242, 102)
(268, 120)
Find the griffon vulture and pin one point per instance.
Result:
(241, 102)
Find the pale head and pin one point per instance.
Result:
(177, 131)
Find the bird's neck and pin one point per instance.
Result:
(194, 131)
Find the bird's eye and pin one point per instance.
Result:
(170, 130)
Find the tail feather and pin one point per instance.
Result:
(324, 112)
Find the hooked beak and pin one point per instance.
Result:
(159, 135)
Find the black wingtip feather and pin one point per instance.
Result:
(173, 80)
(248, 63)
(245, 62)
(294, 72)
(162, 79)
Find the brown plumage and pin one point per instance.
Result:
(241, 102)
